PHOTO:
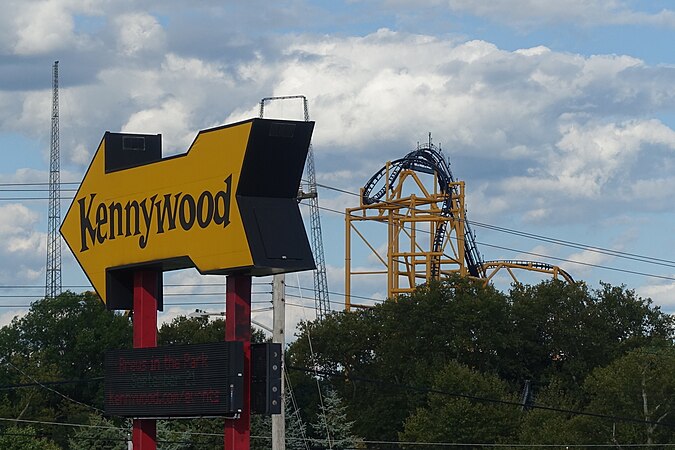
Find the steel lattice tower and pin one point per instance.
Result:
(53, 269)
(321, 300)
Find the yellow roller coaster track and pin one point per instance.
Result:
(428, 235)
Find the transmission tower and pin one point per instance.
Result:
(53, 269)
(309, 192)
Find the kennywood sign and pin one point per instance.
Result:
(228, 205)
(136, 219)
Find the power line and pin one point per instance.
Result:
(571, 261)
(50, 389)
(165, 304)
(40, 183)
(428, 390)
(351, 377)
(8, 387)
(562, 242)
(579, 246)
(422, 389)
(543, 238)
(598, 266)
(33, 190)
(88, 286)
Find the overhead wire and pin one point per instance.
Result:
(543, 238)
(389, 384)
(539, 237)
(567, 243)
(571, 261)
(296, 408)
(571, 244)
(428, 390)
(609, 252)
(8, 363)
(318, 385)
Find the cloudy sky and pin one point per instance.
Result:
(558, 115)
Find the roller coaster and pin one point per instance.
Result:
(429, 236)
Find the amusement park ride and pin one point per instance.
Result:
(428, 234)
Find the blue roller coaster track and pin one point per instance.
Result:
(428, 159)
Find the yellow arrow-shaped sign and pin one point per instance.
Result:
(227, 205)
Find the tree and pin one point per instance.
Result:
(296, 430)
(197, 330)
(332, 424)
(172, 436)
(456, 410)
(550, 332)
(631, 402)
(24, 438)
(542, 426)
(191, 330)
(639, 385)
(61, 340)
(101, 434)
(566, 330)
(402, 344)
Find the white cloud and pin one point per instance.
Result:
(663, 294)
(532, 13)
(171, 117)
(36, 27)
(43, 27)
(581, 263)
(374, 97)
(593, 155)
(551, 136)
(6, 316)
(139, 33)
(15, 218)
(22, 247)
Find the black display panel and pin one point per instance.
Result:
(175, 381)
(124, 151)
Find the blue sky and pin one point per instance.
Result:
(558, 115)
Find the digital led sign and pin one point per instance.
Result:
(175, 381)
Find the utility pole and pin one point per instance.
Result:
(278, 336)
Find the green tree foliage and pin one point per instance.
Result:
(567, 330)
(549, 427)
(404, 343)
(582, 349)
(65, 339)
(332, 425)
(191, 330)
(640, 385)
(101, 434)
(197, 330)
(448, 417)
(553, 334)
(24, 438)
(296, 429)
(637, 387)
(58, 339)
(173, 435)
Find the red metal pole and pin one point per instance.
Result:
(144, 435)
(238, 328)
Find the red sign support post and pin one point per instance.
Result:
(144, 435)
(238, 328)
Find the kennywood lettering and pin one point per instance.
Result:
(108, 221)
